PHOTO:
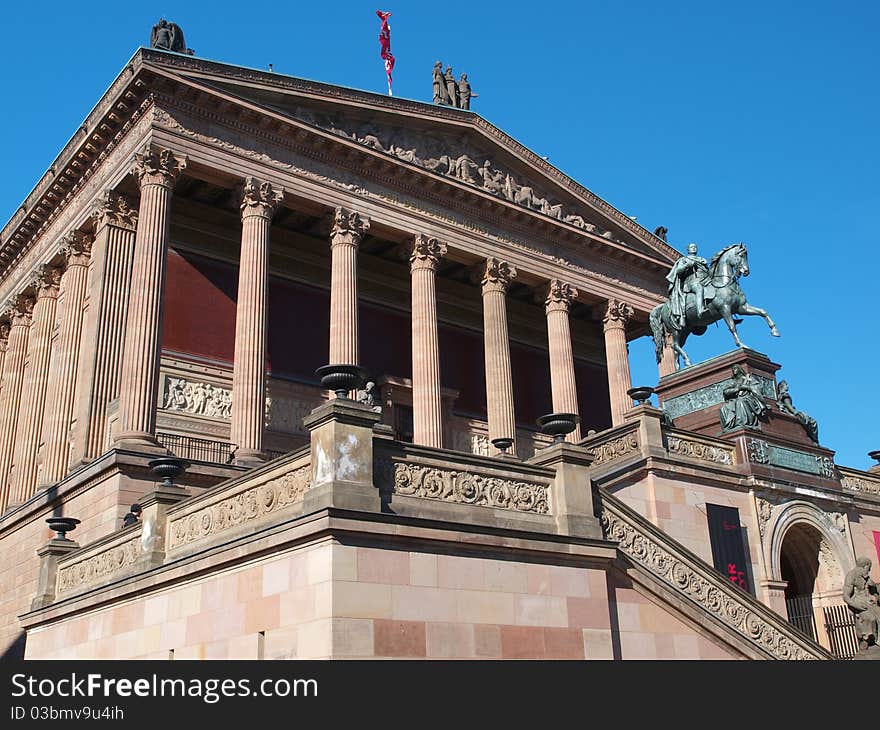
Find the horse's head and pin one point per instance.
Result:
(732, 260)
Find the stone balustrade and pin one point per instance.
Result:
(614, 444)
(110, 558)
(692, 579)
(865, 484)
(266, 495)
(699, 448)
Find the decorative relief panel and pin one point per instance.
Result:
(699, 450)
(715, 596)
(246, 506)
(711, 395)
(761, 452)
(765, 511)
(861, 484)
(283, 413)
(202, 399)
(466, 164)
(615, 448)
(100, 567)
(448, 485)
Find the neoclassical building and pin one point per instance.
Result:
(210, 237)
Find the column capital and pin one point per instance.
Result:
(4, 335)
(559, 296)
(76, 248)
(21, 308)
(617, 314)
(498, 275)
(45, 281)
(426, 252)
(349, 227)
(114, 209)
(157, 166)
(259, 198)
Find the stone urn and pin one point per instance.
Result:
(640, 395)
(62, 525)
(558, 425)
(502, 444)
(340, 378)
(168, 468)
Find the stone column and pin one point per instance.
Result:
(36, 379)
(617, 315)
(156, 169)
(258, 204)
(562, 380)
(103, 335)
(427, 418)
(499, 385)
(349, 228)
(19, 317)
(63, 368)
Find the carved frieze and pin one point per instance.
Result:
(435, 153)
(465, 487)
(712, 594)
(711, 395)
(700, 450)
(615, 448)
(861, 484)
(246, 506)
(203, 399)
(99, 567)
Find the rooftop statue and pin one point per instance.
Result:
(809, 423)
(860, 594)
(701, 293)
(449, 92)
(168, 37)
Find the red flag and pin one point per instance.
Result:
(385, 43)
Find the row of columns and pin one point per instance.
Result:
(111, 286)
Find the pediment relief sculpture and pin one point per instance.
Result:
(459, 160)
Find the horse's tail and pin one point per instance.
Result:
(657, 329)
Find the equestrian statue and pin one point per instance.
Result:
(701, 293)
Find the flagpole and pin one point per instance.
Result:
(389, 89)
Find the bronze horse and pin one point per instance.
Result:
(724, 299)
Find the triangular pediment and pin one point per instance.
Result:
(447, 142)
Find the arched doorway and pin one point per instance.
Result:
(809, 550)
(800, 565)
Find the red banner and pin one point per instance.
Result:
(385, 44)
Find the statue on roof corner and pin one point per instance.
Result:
(700, 294)
(449, 92)
(168, 37)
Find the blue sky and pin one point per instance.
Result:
(752, 121)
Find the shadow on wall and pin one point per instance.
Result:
(16, 649)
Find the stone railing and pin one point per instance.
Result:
(864, 483)
(699, 448)
(684, 573)
(243, 503)
(614, 444)
(456, 478)
(111, 557)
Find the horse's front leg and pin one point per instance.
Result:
(731, 325)
(750, 310)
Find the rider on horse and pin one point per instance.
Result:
(687, 275)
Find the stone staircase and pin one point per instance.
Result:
(666, 568)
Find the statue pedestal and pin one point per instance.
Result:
(778, 447)
(692, 397)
